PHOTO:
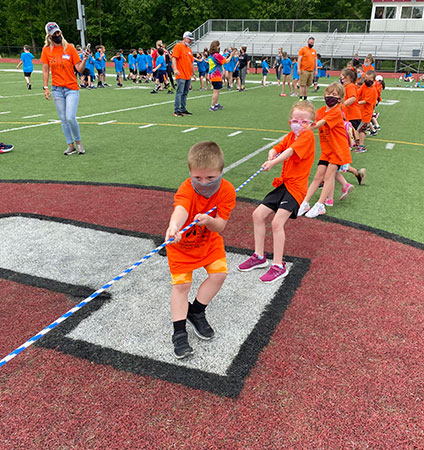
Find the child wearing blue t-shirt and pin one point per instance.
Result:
(142, 65)
(100, 65)
(132, 65)
(119, 61)
(286, 68)
(319, 71)
(202, 67)
(265, 70)
(149, 65)
(28, 67)
(295, 77)
(161, 71)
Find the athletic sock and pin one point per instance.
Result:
(179, 325)
(196, 307)
(305, 97)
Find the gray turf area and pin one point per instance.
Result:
(137, 320)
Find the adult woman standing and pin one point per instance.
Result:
(244, 64)
(60, 58)
(277, 65)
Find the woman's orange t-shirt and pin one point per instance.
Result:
(369, 94)
(199, 246)
(332, 136)
(353, 110)
(296, 169)
(61, 63)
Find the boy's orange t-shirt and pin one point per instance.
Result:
(332, 137)
(369, 94)
(199, 246)
(309, 55)
(296, 169)
(185, 59)
(353, 110)
(379, 88)
(61, 63)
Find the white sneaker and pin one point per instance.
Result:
(304, 207)
(81, 149)
(317, 210)
(70, 150)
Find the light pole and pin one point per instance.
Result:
(81, 26)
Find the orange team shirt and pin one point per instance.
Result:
(184, 57)
(369, 94)
(296, 169)
(309, 55)
(353, 110)
(379, 88)
(199, 246)
(61, 65)
(332, 136)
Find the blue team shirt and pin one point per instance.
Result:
(119, 64)
(286, 64)
(89, 64)
(141, 62)
(202, 66)
(149, 62)
(295, 74)
(319, 72)
(265, 67)
(131, 61)
(97, 61)
(27, 58)
(160, 60)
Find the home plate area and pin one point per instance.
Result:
(130, 328)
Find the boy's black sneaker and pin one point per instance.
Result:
(186, 113)
(178, 114)
(200, 325)
(182, 348)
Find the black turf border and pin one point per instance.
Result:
(229, 385)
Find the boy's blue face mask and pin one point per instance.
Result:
(206, 189)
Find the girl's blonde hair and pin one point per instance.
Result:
(49, 43)
(335, 87)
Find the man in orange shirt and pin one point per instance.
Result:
(202, 245)
(182, 64)
(307, 67)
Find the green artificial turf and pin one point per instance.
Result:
(121, 152)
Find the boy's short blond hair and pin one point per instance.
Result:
(304, 106)
(206, 155)
(335, 87)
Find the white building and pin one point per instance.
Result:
(397, 16)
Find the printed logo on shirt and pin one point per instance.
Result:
(66, 57)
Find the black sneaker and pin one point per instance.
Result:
(178, 114)
(200, 325)
(154, 92)
(186, 113)
(373, 133)
(182, 348)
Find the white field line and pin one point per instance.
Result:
(268, 139)
(5, 112)
(105, 123)
(235, 133)
(390, 146)
(20, 95)
(188, 130)
(30, 117)
(253, 154)
(134, 108)
(148, 125)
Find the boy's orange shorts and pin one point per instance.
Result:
(218, 266)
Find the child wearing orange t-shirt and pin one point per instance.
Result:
(367, 97)
(202, 245)
(296, 151)
(335, 151)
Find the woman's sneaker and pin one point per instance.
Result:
(304, 207)
(182, 348)
(254, 262)
(70, 150)
(81, 149)
(317, 210)
(346, 191)
(274, 273)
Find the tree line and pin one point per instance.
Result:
(139, 23)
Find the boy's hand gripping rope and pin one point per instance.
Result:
(62, 318)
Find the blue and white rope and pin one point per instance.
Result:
(76, 308)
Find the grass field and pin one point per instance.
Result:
(122, 152)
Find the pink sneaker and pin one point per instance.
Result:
(329, 202)
(253, 263)
(274, 273)
(346, 191)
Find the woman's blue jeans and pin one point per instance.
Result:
(66, 101)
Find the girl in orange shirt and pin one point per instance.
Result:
(61, 58)
(367, 97)
(335, 152)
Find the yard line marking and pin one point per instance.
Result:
(268, 139)
(235, 133)
(189, 129)
(148, 125)
(105, 123)
(5, 112)
(253, 154)
(115, 111)
(30, 117)
(390, 146)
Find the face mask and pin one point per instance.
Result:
(297, 128)
(206, 189)
(369, 83)
(331, 101)
(57, 39)
(310, 45)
